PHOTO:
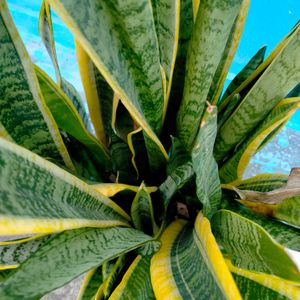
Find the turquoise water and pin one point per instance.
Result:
(267, 23)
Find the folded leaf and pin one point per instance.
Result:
(273, 85)
(208, 187)
(142, 213)
(210, 33)
(68, 119)
(24, 114)
(250, 247)
(37, 196)
(111, 189)
(65, 257)
(235, 166)
(136, 283)
(190, 256)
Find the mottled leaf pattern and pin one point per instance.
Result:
(142, 211)
(187, 257)
(91, 284)
(166, 16)
(249, 68)
(12, 253)
(68, 119)
(140, 89)
(50, 199)
(208, 186)
(250, 247)
(282, 233)
(136, 283)
(273, 85)
(213, 24)
(235, 166)
(66, 256)
(253, 285)
(228, 54)
(24, 114)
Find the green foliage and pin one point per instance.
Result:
(143, 191)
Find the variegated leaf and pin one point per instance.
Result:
(273, 85)
(68, 119)
(250, 247)
(24, 115)
(136, 283)
(190, 256)
(210, 33)
(208, 186)
(37, 196)
(65, 257)
(235, 166)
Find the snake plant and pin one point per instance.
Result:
(142, 189)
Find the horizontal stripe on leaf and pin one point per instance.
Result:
(166, 16)
(179, 170)
(24, 114)
(248, 83)
(37, 196)
(228, 54)
(136, 77)
(185, 33)
(249, 68)
(255, 285)
(285, 235)
(250, 247)
(211, 30)
(136, 283)
(15, 252)
(273, 85)
(235, 166)
(208, 187)
(189, 264)
(68, 119)
(65, 257)
(261, 182)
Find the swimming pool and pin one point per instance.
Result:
(267, 23)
